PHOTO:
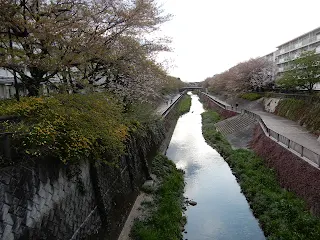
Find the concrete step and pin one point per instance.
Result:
(235, 124)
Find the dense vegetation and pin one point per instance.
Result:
(281, 214)
(245, 76)
(82, 46)
(257, 74)
(306, 112)
(166, 217)
(172, 85)
(185, 104)
(73, 127)
(250, 96)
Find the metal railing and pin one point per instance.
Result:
(222, 105)
(302, 96)
(300, 150)
(165, 113)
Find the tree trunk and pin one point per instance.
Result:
(33, 89)
(32, 85)
(310, 88)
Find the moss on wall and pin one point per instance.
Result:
(305, 112)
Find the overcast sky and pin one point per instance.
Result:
(210, 36)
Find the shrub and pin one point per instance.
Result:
(250, 96)
(70, 127)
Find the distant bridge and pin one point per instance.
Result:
(191, 88)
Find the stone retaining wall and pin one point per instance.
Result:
(48, 200)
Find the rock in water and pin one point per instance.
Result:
(192, 203)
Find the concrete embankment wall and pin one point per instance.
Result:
(208, 103)
(49, 200)
(292, 172)
(270, 104)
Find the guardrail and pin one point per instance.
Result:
(300, 150)
(289, 95)
(222, 105)
(165, 113)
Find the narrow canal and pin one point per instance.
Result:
(222, 212)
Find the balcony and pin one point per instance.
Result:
(305, 43)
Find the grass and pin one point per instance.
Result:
(306, 112)
(250, 96)
(166, 213)
(185, 104)
(282, 215)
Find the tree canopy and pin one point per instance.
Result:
(100, 43)
(252, 74)
(304, 72)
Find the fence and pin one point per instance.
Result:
(289, 95)
(165, 113)
(222, 105)
(297, 148)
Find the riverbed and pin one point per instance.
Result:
(222, 212)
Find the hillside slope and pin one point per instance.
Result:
(305, 112)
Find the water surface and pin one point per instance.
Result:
(222, 212)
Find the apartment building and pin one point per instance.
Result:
(271, 57)
(7, 89)
(292, 49)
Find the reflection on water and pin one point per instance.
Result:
(222, 211)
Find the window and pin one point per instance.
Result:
(298, 44)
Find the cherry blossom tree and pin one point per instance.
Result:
(248, 75)
(79, 42)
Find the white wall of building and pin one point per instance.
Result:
(5, 73)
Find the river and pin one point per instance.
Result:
(222, 212)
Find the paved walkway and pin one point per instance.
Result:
(291, 130)
(169, 99)
(218, 100)
(287, 128)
